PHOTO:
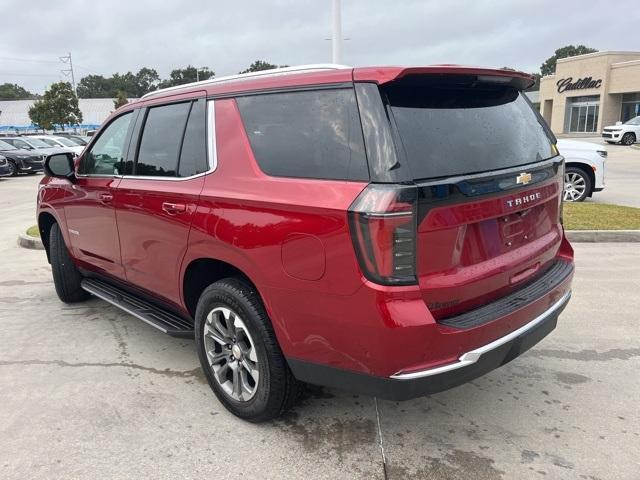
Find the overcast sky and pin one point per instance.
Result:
(117, 36)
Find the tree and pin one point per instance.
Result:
(260, 65)
(58, 107)
(40, 115)
(147, 80)
(189, 74)
(95, 86)
(120, 100)
(132, 84)
(549, 66)
(12, 91)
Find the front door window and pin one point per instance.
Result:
(106, 155)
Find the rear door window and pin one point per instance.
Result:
(161, 140)
(193, 157)
(449, 128)
(309, 134)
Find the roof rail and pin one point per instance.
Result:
(247, 76)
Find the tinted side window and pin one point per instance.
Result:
(106, 153)
(193, 157)
(161, 138)
(314, 134)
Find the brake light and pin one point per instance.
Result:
(383, 230)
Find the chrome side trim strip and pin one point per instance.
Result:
(473, 356)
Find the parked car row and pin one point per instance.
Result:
(26, 154)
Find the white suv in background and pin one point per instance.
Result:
(584, 169)
(626, 133)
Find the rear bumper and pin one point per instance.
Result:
(470, 365)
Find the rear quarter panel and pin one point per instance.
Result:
(289, 236)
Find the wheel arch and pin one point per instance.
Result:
(46, 220)
(202, 272)
(586, 168)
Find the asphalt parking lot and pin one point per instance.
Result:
(89, 392)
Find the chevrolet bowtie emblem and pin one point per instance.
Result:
(524, 178)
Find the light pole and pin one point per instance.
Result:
(336, 36)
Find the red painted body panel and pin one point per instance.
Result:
(291, 238)
(153, 241)
(91, 223)
(472, 253)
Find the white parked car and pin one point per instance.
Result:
(30, 143)
(584, 169)
(626, 133)
(61, 142)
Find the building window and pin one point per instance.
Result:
(630, 106)
(583, 113)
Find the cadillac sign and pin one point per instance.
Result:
(565, 84)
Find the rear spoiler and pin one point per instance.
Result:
(383, 75)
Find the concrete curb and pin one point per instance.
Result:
(601, 236)
(33, 243)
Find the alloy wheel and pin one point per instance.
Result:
(628, 139)
(575, 186)
(231, 354)
(13, 167)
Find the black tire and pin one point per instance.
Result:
(13, 167)
(66, 276)
(276, 389)
(628, 138)
(578, 173)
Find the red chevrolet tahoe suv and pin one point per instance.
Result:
(391, 231)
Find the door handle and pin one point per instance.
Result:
(174, 208)
(106, 197)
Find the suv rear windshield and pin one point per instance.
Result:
(450, 126)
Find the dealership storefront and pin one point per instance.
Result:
(591, 91)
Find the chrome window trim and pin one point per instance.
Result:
(212, 154)
(473, 356)
(212, 147)
(248, 76)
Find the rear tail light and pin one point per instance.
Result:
(383, 229)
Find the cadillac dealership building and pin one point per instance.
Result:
(591, 91)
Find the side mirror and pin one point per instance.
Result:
(59, 165)
(618, 123)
